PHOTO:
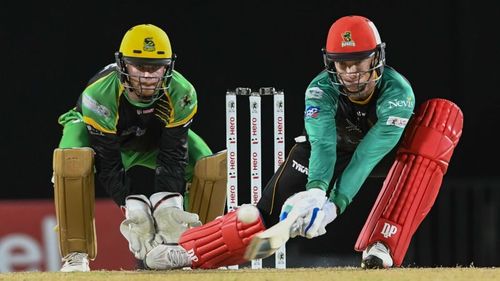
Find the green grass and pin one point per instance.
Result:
(309, 274)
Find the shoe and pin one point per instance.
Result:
(75, 262)
(376, 256)
(164, 257)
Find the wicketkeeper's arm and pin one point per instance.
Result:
(109, 167)
(172, 160)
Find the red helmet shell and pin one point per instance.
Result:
(352, 34)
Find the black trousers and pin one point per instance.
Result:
(291, 178)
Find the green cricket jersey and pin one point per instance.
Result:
(368, 130)
(123, 132)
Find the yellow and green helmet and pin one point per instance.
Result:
(146, 44)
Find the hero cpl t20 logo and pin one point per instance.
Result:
(149, 44)
(347, 39)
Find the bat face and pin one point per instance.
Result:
(268, 242)
(259, 248)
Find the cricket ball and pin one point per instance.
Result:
(247, 213)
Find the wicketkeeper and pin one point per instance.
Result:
(356, 111)
(134, 112)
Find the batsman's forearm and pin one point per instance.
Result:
(375, 145)
(321, 163)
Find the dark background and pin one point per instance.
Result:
(446, 49)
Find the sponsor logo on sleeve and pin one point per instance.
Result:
(397, 121)
(314, 93)
(95, 107)
(400, 103)
(312, 111)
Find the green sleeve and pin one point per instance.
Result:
(100, 103)
(74, 130)
(319, 118)
(394, 108)
(182, 97)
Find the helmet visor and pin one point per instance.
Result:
(353, 82)
(147, 79)
(147, 61)
(349, 56)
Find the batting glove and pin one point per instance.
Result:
(314, 224)
(308, 204)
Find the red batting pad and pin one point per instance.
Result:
(412, 184)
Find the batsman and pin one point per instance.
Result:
(360, 122)
(134, 116)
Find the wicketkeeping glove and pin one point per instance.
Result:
(171, 219)
(138, 227)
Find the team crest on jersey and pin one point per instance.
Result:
(186, 101)
(347, 39)
(149, 44)
(312, 111)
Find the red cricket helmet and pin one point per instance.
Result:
(353, 38)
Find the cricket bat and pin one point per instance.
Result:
(269, 241)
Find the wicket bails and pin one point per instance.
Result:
(255, 148)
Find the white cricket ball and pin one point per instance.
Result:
(247, 213)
